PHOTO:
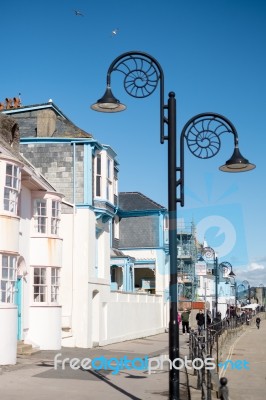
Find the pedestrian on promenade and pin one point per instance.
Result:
(209, 320)
(178, 319)
(200, 321)
(185, 321)
(258, 322)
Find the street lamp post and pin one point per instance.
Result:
(225, 266)
(235, 289)
(209, 253)
(241, 285)
(142, 73)
(246, 283)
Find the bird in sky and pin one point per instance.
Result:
(115, 32)
(78, 13)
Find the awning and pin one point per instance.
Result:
(251, 306)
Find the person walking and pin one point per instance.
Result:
(185, 321)
(258, 322)
(178, 319)
(200, 318)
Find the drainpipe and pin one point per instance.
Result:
(73, 232)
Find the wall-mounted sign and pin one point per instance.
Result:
(201, 268)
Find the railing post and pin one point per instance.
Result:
(203, 375)
(209, 382)
(223, 390)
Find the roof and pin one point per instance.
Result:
(9, 147)
(115, 253)
(136, 201)
(64, 127)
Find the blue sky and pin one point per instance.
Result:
(213, 56)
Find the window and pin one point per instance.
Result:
(40, 216)
(8, 278)
(98, 175)
(46, 215)
(109, 179)
(12, 186)
(46, 282)
(55, 217)
(55, 280)
(40, 285)
(116, 228)
(109, 169)
(115, 187)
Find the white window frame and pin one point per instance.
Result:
(109, 178)
(115, 186)
(8, 277)
(40, 285)
(55, 284)
(11, 188)
(46, 285)
(55, 217)
(116, 228)
(40, 215)
(46, 216)
(98, 175)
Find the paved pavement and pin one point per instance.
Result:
(35, 377)
(248, 384)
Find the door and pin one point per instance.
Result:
(18, 296)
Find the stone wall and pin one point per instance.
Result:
(55, 163)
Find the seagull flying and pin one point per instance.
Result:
(115, 31)
(78, 13)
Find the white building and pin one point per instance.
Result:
(30, 251)
(65, 237)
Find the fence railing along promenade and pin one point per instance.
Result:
(210, 344)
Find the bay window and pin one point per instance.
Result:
(46, 283)
(8, 276)
(12, 187)
(46, 215)
(109, 179)
(40, 216)
(55, 218)
(98, 175)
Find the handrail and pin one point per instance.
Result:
(202, 347)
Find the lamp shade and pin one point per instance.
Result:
(108, 103)
(237, 163)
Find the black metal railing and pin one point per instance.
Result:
(207, 345)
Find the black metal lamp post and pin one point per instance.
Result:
(226, 265)
(246, 283)
(235, 288)
(241, 285)
(209, 253)
(142, 73)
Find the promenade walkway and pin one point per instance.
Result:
(35, 376)
(248, 384)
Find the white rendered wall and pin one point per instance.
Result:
(9, 227)
(46, 251)
(129, 316)
(78, 264)
(67, 272)
(162, 275)
(8, 334)
(24, 251)
(45, 327)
